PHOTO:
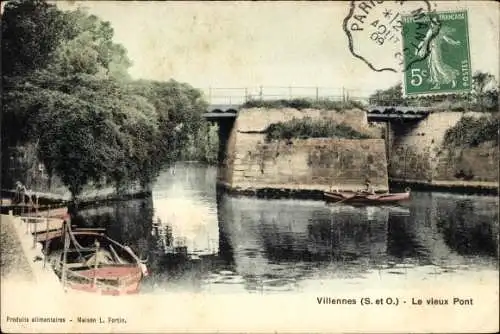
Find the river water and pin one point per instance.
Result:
(250, 245)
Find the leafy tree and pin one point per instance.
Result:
(90, 48)
(485, 91)
(392, 96)
(122, 128)
(203, 145)
(480, 80)
(78, 107)
(179, 108)
(31, 30)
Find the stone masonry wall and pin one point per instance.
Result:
(418, 154)
(477, 164)
(302, 164)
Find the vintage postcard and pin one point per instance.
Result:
(249, 166)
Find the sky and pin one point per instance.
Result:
(252, 44)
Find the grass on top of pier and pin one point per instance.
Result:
(303, 103)
(308, 128)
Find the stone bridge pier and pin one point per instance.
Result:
(225, 128)
(225, 117)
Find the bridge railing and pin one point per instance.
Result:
(228, 96)
(238, 96)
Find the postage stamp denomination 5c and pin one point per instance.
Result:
(436, 53)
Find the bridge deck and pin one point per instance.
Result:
(374, 113)
(216, 115)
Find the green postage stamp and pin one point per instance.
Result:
(436, 53)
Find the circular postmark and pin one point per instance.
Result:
(390, 35)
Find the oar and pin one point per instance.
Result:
(341, 201)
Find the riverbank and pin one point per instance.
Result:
(22, 257)
(13, 263)
(97, 197)
(272, 193)
(89, 198)
(456, 187)
(465, 188)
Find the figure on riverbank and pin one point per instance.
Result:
(21, 193)
(17, 195)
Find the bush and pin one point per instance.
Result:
(308, 128)
(299, 104)
(472, 131)
(482, 98)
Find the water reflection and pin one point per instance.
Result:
(198, 238)
(128, 222)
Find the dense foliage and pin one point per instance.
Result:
(67, 93)
(308, 128)
(322, 104)
(202, 146)
(472, 131)
(484, 97)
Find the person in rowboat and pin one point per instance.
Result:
(369, 188)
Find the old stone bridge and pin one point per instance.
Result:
(408, 149)
(226, 114)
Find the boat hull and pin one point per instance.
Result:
(112, 269)
(110, 280)
(366, 198)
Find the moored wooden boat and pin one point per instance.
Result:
(88, 260)
(6, 202)
(60, 213)
(363, 197)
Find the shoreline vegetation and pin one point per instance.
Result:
(472, 131)
(396, 185)
(71, 111)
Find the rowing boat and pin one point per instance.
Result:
(60, 213)
(88, 260)
(363, 197)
